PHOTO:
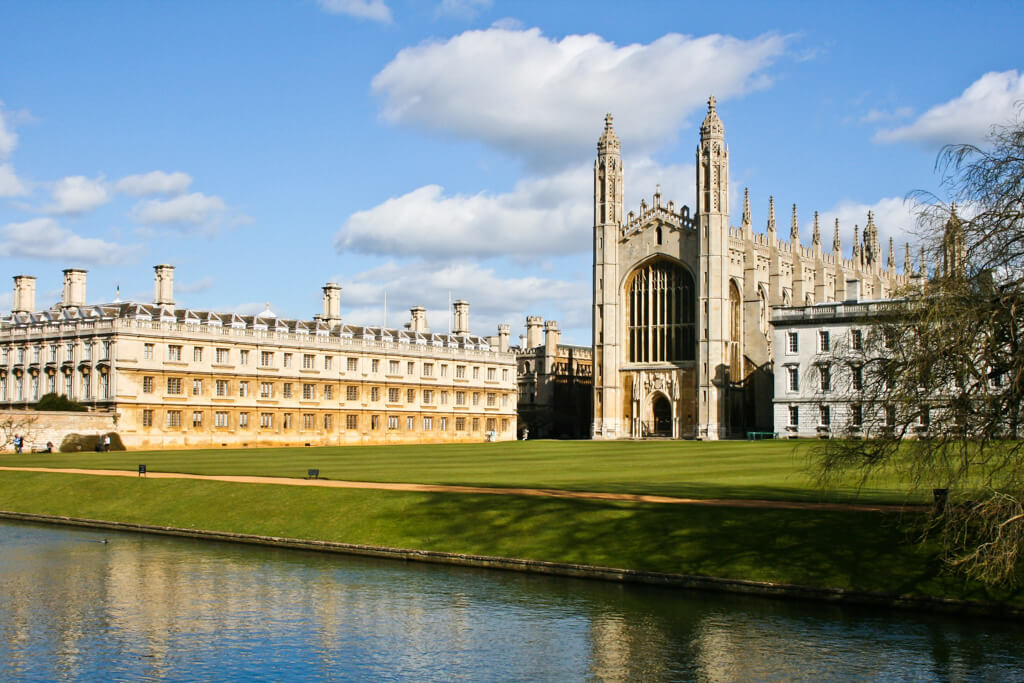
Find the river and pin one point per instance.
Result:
(82, 604)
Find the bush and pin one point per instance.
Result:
(61, 402)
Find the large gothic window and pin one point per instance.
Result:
(660, 303)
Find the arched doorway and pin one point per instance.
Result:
(662, 411)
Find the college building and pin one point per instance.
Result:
(177, 377)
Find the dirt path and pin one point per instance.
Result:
(440, 488)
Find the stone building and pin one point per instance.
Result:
(682, 338)
(555, 383)
(178, 377)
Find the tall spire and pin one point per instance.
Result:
(872, 248)
(908, 267)
(771, 214)
(816, 237)
(857, 252)
(712, 126)
(609, 142)
(837, 246)
(794, 229)
(746, 208)
(892, 255)
(924, 269)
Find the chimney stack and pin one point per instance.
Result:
(460, 325)
(332, 304)
(418, 322)
(163, 285)
(504, 333)
(24, 294)
(552, 337)
(852, 291)
(533, 328)
(74, 287)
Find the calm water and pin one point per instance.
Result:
(150, 608)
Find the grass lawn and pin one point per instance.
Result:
(777, 470)
(866, 551)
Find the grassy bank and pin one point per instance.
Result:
(863, 551)
(775, 470)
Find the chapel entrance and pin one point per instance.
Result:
(662, 410)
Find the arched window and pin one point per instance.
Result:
(660, 303)
(735, 308)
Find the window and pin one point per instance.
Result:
(375, 365)
(392, 422)
(492, 399)
(444, 369)
(328, 362)
(661, 314)
(308, 392)
(147, 418)
(221, 387)
(351, 421)
(491, 424)
(856, 415)
(286, 390)
(444, 398)
(266, 358)
(174, 385)
(5, 355)
(460, 398)
(428, 424)
(106, 350)
(197, 387)
(825, 416)
(504, 374)
(460, 372)
(393, 395)
(476, 372)
(476, 398)
(266, 420)
(328, 392)
(266, 389)
(428, 369)
(476, 424)
(442, 424)
(243, 389)
(823, 341)
(51, 386)
(351, 392)
(86, 352)
(328, 422)
(428, 396)
(374, 393)
(492, 374)
(243, 420)
(794, 416)
(147, 351)
(308, 421)
(792, 342)
(825, 373)
(197, 354)
(504, 425)
(308, 361)
(460, 424)
(856, 378)
(410, 424)
(223, 355)
(147, 385)
(393, 367)
(286, 360)
(286, 421)
(173, 418)
(857, 340)
(220, 418)
(53, 354)
(69, 353)
(410, 395)
(792, 378)
(890, 416)
(243, 357)
(375, 422)
(410, 368)
(197, 418)
(352, 364)
(104, 385)
(173, 352)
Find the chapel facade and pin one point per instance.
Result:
(682, 338)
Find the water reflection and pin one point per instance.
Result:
(150, 608)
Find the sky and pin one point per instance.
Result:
(424, 151)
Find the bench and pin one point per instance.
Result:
(313, 474)
(757, 436)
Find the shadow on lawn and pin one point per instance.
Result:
(863, 551)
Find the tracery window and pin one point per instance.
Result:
(660, 302)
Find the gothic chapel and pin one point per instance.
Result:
(682, 338)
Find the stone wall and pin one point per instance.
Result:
(40, 426)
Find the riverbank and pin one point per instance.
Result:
(832, 555)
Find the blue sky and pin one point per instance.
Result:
(429, 149)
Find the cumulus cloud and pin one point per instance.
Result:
(45, 239)
(988, 101)
(374, 10)
(186, 210)
(539, 216)
(10, 184)
(154, 182)
(8, 138)
(529, 94)
(894, 217)
(78, 194)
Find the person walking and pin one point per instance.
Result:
(18, 441)
(106, 443)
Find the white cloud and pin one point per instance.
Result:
(509, 24)
(374, 10)
(877, 115)
(200, 285)
(78, 194)
(185, 210)
(154, 182)
(45, 239)
(10, 184)
(540, 216)
(545, 99)
(8, 138)
(466, 9)
(894, 217)
(988, 101)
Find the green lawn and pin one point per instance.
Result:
(777, 470)
(866, 551)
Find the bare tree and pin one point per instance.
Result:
(939, 393)
(17, 423)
